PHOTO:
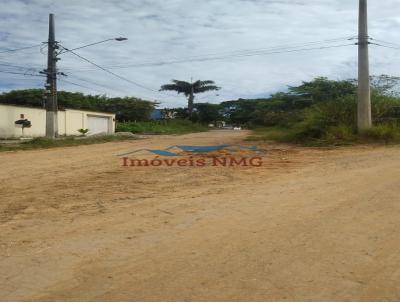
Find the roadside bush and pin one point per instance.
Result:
(383, 132)
(44, 143)
(339, 135)
(335, 122)
(280, 118)
(278, 134)
(325, 121)
(385, 107)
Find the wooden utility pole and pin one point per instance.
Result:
(364, 120)
(51, 84)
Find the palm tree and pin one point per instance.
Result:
(190, 89)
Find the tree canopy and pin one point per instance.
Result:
(190, 89)
(126, 108)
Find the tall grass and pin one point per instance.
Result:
(387, 133)
(335, 123)
(45, 143)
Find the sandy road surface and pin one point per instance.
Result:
(310, 225)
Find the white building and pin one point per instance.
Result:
(69, 121)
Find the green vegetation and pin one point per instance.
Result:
(161, 127)
(189, 90)
(322, 112)
(387, 133)
(339, 135)
(333, 136)
(318, 112)
(44, 143)
(83, 131)
(126, 109)
(271, 133)
(152, 127)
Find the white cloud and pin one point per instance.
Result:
(165, 30)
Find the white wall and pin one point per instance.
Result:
(75, 121)
(78, 119)
(61, 122)
(69, 121)
(10, 114)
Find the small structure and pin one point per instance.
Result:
(156, 114)
(70, 121)
(23, 123)
(163, 114)
(220, 124)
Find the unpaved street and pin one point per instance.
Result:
(309, 225)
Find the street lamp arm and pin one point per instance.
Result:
(119, 39)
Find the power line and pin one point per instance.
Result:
(284, 46)
(113, 73)
(23, 79)
(95, 43)
(242, 55)
(79, 85)
(3, 63)
(251, 51)
(22, 48)
(92, 82)
(382, 41)
(87, 81)
(14, 66)
(205, 59)
(28, 70)
(25, 74)
(258, 52)
(238, 52)
(386, 46)
(200, 58)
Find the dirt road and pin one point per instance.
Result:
(309, 225)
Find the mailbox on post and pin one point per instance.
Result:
(24, 123)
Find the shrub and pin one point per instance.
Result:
(83, 131)
(335, 122)
(272, 133)
(339, 135)
(383, 132)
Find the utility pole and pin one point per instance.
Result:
(51, 84)
(364, 120)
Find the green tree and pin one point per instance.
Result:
(240, 111)
(190, 89)
(129, 108)
(385, 85)
(27, 97)
(322, 89)
(126, 109)
(206, 112)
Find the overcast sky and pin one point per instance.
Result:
(161, 31)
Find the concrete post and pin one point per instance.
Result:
(364, 120)
(51, 85)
